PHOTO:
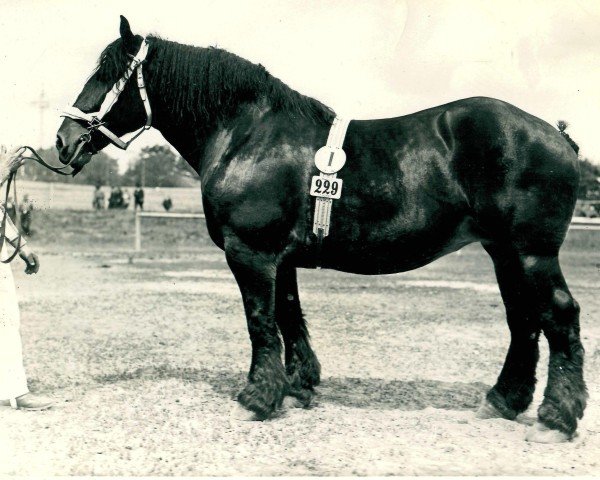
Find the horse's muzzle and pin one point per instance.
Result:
(73, 141)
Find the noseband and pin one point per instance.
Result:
(95, 120)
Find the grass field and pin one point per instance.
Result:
(145, 354)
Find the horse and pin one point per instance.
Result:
(416, 187)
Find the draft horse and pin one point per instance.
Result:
(416, 187)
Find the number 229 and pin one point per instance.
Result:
(326, 187)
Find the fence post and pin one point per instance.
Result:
(138, 232)
(50, 194)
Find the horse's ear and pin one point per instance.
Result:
(126, 34)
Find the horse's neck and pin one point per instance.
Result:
(192, 137)
(205, 146)
(181, 132)
(198, 138)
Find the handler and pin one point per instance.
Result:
(13, 383)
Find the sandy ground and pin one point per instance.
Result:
(144, 360)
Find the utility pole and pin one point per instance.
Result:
(143, 158)
(42, 104)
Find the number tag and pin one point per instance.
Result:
(330, 160)
(326, 187)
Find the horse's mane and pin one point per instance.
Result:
(210, 82)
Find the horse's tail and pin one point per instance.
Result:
(562, 127)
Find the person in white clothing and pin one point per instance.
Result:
(13, 382)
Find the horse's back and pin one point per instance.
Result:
(419, 186)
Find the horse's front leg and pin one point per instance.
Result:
(255, 273)
(301, 364)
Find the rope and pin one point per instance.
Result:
(12, 180)
(36, 158)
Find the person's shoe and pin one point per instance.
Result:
(29, 401)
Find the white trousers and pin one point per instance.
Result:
(13, 382)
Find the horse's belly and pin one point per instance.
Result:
(406, 251)
(392, 259)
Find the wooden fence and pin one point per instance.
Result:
(70, 196)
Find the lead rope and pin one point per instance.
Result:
(36, 158)
(12, 180)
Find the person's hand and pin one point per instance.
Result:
(14, 159)
(10, 161)
(15, 162)
(32, 262)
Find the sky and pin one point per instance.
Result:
(365, 59)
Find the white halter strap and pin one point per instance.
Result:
(94, 120)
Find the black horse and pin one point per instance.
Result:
(416, 187)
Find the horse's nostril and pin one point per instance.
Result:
(59, 142)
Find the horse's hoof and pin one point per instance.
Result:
(292, 402)
(486, 410)
(540, 433)
(526, 419)
(241, 414)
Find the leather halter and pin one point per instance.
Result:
(94, 120)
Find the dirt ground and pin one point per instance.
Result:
(145, 354)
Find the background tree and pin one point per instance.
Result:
(588, 180)
(159, 166)
(589, 174)
(103, 170)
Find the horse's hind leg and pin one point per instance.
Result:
(255, 273)
(302, 367)
(565, 396)
(542, 299)
(514, 388)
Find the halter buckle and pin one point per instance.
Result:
(135, 60)
(95, 123)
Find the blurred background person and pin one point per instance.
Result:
(167, 203)
(26, 214)
(98, 199)
(126, 198)
(138, 196)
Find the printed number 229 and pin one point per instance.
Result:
(326, 187)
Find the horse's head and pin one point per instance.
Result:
(110, 104)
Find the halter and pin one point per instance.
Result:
(94, 120)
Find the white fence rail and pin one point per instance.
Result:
(577, 223)
(584, 223)
(70, 196)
